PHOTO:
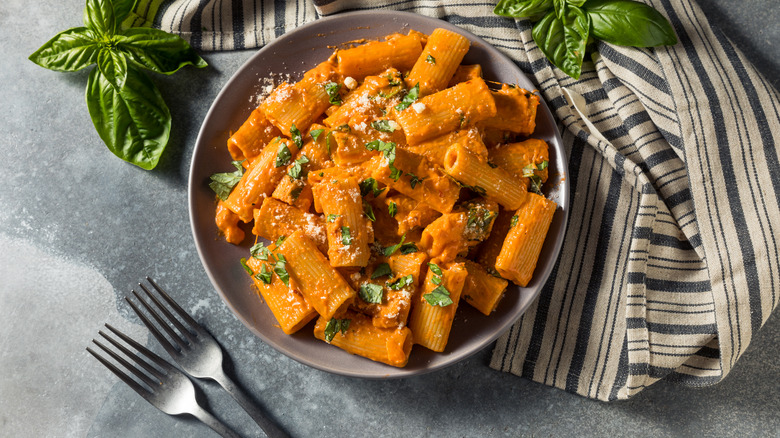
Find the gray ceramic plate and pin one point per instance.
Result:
(292, 54)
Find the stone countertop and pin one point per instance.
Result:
(79, 228)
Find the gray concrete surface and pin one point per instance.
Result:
(78, 228)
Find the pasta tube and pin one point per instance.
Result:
(494, 183)
(523, 243)
(374, 57)
(434, 308)
(252, 136)
(482, 290)
(261, 178)
(347, 227)
(438, 61)
(450, 109)
(288, 306)
(311, 274)
(387, 345)
(515, 110)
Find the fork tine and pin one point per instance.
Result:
(152, 328)
(174, 304)
(140, 348)
(135, 370)
(119, 373)
(168, 314)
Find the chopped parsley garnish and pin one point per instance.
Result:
(381, 270)
(401, 283)
(408, 248)
(430, 60)
(245, 266)
(392, 208)
(383, 125)
(513, 222)
(434, 268)
(391, 249)
(409, 99)
(259, 251)
(283, 155)
(315, 133)
(279, 242)
(295, 134)
(436, 280)
(371, 293)
(281, 271)
(297, 169)
(346, 237)
(414, 180)
(543, 165)
(332, 89)
(438, 297)
(264, 275)
(334, 326)
(369, 211)
(332, 217)
(388, 149)
(370, 185)
(223, 183)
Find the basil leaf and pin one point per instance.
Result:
(134, 121)
(436, 279)
(264, 275)
(438, 297)
(297, 170)
(401, 282)
(513, 221)
(346, 237)
(522, 8)
(295, 134)
(222, 184)
(332, 89)
(392, 208)
(368, 211)
(414, 180)
(283, 155)
(563, 40)
(99, 17)
(332, 217)
(577, 3)
(391, 249)
(543, 165)
(69, 50)
(278, 243)
(370, 185)
(383, 125)
(371, 293)
(334, 326)
(315, 133)
(281, 271)
(245, 266)
(430, 60)
(408, 248)
(388, 149)
(259, 251)
(113, 65)
(629, 23)
(122, 9)
(409, 99)
(158, 51)
(435, 268)
(381, 270)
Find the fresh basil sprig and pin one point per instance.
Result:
(126, 107)
(564, 27)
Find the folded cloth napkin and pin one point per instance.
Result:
(671, 260)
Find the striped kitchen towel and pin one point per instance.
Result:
(671, 261)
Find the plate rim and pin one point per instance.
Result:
(392, 372)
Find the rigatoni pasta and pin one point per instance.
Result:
(386, 185)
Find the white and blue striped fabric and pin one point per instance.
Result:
(671, 261)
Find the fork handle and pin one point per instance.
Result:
(212, 422)
(268, 426)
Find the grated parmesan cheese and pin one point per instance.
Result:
(418, 107)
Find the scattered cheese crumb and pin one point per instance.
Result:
(393, 125)
(418, 107)
(350, 82)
